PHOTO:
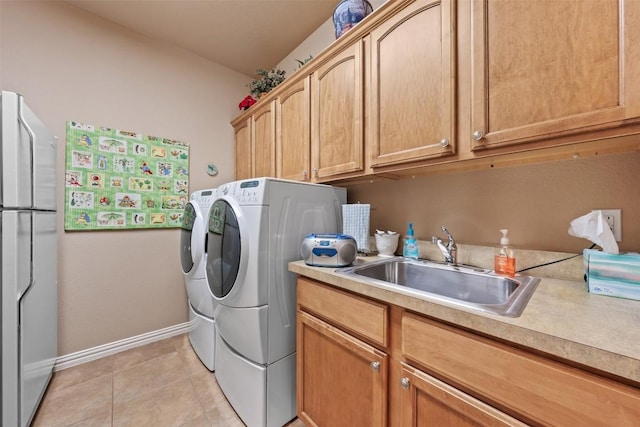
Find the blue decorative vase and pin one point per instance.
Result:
(348, 13)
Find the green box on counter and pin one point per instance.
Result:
(612, 275)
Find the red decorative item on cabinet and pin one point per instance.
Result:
(247, 102)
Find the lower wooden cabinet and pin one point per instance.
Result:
(427, 401)
(341, 380)
(362, 362)
(341, 376)
(534, 388)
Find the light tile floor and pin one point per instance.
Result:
(159, 384)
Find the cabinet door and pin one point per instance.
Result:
(521, 381)
(427, 401)
(293, 137)
(412, 84)
(243, 151)
(337, 115)
(546, 68)
(263, 141)
(341, 381)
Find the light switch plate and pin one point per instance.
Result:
(614, 219)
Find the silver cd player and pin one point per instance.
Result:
(329, 250)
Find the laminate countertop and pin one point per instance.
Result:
(561, 319)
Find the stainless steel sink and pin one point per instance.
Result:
(465, 286)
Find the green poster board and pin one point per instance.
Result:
(116, 180)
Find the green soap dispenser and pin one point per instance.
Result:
(410, 249)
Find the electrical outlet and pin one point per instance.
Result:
(613, 217)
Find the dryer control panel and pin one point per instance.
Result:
(204, 198)
(245, 192)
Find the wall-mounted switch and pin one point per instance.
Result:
(613, 217)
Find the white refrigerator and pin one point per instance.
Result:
(29, 257)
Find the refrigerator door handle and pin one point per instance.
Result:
(32, 141)
(23, 292)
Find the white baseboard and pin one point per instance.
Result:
(84, 356)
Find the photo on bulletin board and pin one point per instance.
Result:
(118, 180)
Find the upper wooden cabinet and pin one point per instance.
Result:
(243, 151)
(412, 87)
(255, 143)
(293, 137)
(263, 140)
(547, 69)
(448, 85)
(337, 144)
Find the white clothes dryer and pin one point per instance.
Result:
(256, 227)
(202, 305)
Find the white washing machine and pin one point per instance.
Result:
(202, 305)
(256, 227)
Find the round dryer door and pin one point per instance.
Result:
(223, 248)
(192, 229)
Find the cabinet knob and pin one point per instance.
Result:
(304, 173)
(315, 171)
(404, 383)
(375, 366)
(444, 142)
(478, 135)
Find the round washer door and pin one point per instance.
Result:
(225, 240)
(192, 236)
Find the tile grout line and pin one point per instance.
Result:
(204, 412)
(181, 350)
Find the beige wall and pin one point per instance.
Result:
(535, 202)
(70, 65)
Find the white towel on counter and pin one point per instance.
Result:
(355, 222)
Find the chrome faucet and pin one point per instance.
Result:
(450, 250)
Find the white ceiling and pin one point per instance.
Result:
(243, 35)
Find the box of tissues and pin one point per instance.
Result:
(616, 275)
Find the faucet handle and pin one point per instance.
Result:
(450, 250)
(449, 235)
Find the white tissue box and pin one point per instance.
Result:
(612, 275)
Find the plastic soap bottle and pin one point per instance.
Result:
(504, 261)
(410, 249)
